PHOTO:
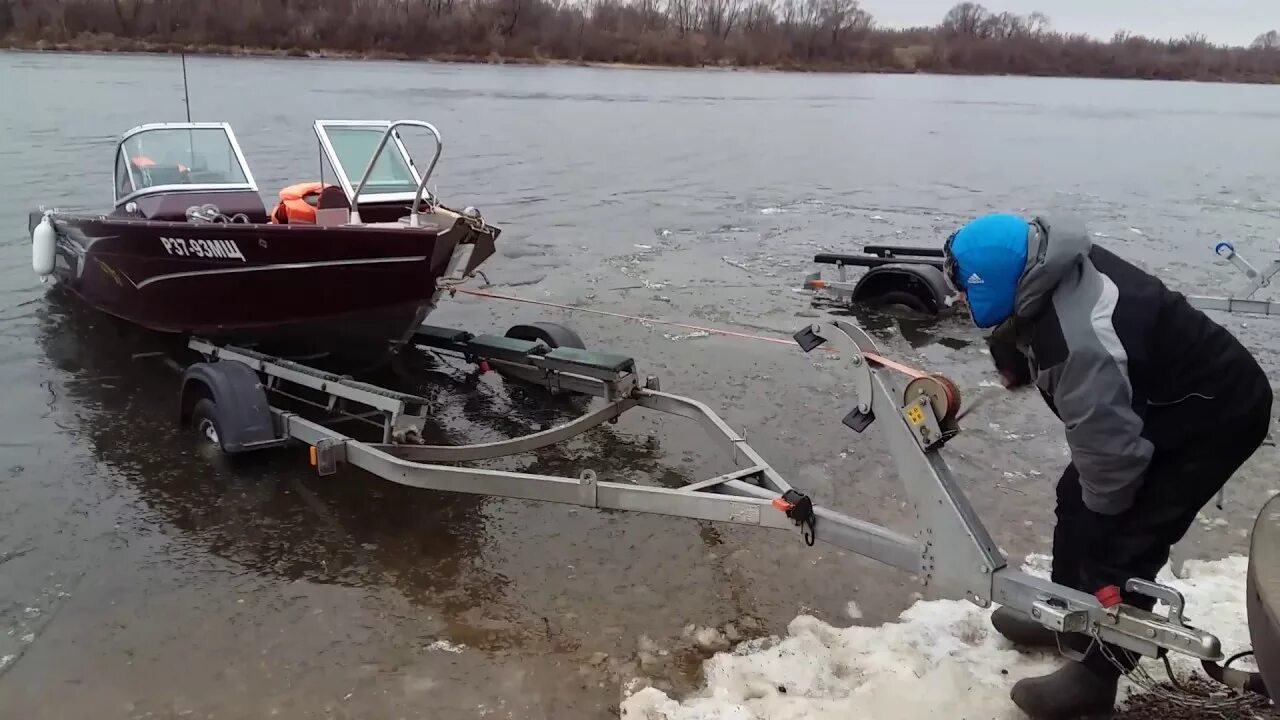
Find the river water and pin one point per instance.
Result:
(140, 577)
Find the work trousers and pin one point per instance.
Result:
(1182, 478)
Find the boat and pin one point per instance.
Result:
(344, 270)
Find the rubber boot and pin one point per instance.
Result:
(1075, 692)
(1022, 630)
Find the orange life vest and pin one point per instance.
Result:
(298, 203)
(142, 162)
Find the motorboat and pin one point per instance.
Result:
(345, 269)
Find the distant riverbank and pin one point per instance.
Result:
(136, 47)
(151, 48)
(834, 36)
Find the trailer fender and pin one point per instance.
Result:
(919, 287)
(241, 413)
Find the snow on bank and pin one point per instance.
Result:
(940, 654)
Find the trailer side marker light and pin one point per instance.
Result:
(314, 460)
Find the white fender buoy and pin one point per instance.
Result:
(44, 245)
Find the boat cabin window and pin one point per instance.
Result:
(177, 156)
(355, 145)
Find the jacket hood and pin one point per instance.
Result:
(1055, 246)
(986, 259)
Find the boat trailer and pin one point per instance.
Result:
(896, 275)
(913, 277)
(227, 397)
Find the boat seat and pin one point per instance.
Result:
(311, 203)
(332, 207)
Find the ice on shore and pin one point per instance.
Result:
(938, 654)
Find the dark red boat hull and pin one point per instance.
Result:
(292, 290)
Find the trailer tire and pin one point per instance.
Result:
(553, 334)
(906, 299)
(233, 402)
(921, 288)
(204, 421)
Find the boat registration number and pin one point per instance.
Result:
(195, 247)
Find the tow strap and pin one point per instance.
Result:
(873, 357)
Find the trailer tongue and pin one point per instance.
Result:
(949, 547)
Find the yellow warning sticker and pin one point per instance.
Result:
(915, 415)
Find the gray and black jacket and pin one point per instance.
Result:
(1126, 364)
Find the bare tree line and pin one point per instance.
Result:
(786, 34)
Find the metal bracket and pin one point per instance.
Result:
(812, 337)
(1169, 596)
(858, 420)
(406, 427)
(958, 549)
(587, 488)
(809, 338)
(329, 452)
(1055, 616)
(1243, 304)
(920, 416)
(1259, 279)
(862, 343)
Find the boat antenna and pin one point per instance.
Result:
(186, 96)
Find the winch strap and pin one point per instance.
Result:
(873, 357)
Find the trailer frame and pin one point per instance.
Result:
(949, 547)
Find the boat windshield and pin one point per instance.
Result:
(354, 146)
(350, 145)
(196, 156)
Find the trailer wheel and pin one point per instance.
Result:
(204, 421)
(906, 299)
(225, 402)
(919, 288)
(553, 334)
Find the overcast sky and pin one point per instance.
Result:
(1235, 22)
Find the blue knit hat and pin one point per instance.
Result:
(985, 259)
